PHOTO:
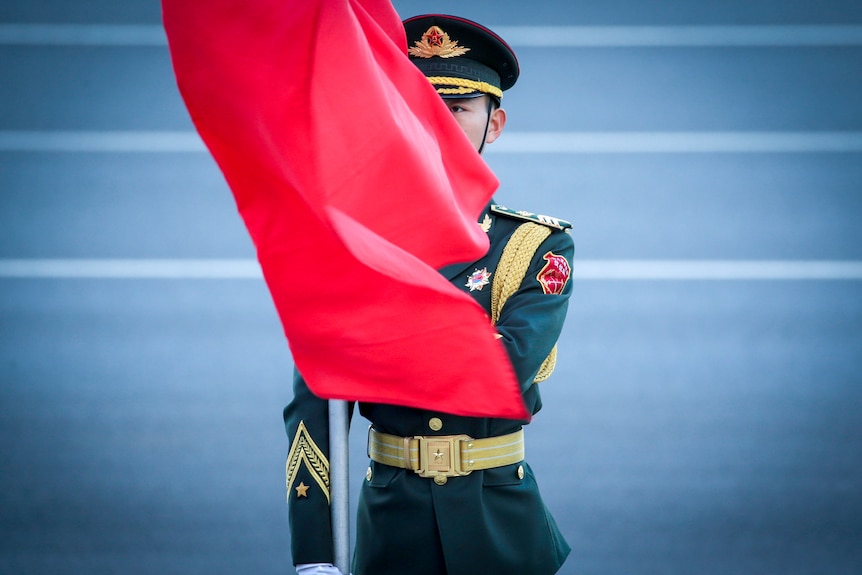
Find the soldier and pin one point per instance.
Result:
(447, 494)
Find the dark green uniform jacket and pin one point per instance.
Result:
(489, 522)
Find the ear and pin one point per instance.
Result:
(496, 125)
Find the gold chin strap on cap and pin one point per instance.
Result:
(511, 270)
(463, 86)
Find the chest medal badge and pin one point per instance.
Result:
(478, 279)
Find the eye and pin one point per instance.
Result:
(454, 108)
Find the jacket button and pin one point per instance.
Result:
(520, 472)
(435, 423)
(440, 479)
(368, 474)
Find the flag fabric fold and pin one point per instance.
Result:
(355, 184)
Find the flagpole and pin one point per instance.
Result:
(338, 472)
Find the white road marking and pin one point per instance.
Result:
(131, 35)
(226, 269)
(510, 143)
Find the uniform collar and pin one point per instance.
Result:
(486, 219)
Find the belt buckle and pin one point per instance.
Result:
(441, 455)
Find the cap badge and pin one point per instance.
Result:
(478, 279)
(436, 42)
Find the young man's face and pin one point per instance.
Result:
(472, 115)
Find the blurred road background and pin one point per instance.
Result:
(706, 414)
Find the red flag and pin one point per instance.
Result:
(355, 184)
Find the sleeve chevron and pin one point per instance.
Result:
(304, 450)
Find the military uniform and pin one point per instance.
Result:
(447, 494)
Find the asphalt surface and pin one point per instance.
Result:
(692, 427)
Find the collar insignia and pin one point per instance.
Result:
(485, 224)
(478, 279)
(436, 42)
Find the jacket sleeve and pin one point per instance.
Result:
(532, 318)
(306, 421)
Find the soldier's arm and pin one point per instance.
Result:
(306, 421)
(532, 318)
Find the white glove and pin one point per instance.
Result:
(317, 569)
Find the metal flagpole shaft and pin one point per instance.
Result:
(338, 474)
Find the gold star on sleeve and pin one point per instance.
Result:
(301, 490)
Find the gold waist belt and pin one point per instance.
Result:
(445, 455)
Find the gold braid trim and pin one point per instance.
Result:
(547, 367)
(305, 450)
(464, 86)
(511, 270)
(514, 263)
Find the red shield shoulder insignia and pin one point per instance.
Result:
(555, 274)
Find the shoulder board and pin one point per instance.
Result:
(549, 221)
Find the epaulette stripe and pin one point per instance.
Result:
(549, 221)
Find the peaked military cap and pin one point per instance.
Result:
(461, 58)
